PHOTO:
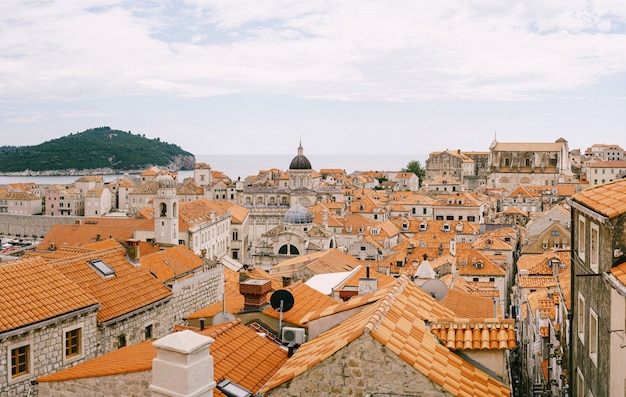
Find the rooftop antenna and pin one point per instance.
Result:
(282, 301)
(223, 316)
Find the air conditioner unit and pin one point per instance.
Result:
(293, 335)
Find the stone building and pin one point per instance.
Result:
(598, 246)
(201, 367)
(75, 303)
(467, 169)
(538, 164)
(38, 322)
(386, 349)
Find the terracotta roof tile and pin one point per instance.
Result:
(113, 293)
(239, 354)
(397, 322)
(33, 291)
(170, 263)
(476, 334)
(605, 198)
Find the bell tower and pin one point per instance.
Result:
(166, 211)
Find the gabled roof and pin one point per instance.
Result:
(306, 300)
(607, 199)
(31, 291)
(113, 293)
(468, 305)
(78, 235)
(333, 261)
(196, 212)
(171, 262)
(397, 322)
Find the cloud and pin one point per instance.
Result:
(345, 50)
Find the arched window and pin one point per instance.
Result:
(235, 235)
(163, 210)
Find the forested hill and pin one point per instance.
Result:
(95, 151)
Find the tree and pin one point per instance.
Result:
(415, 167)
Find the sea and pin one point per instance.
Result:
(243, 165)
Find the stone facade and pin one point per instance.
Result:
(46, 351)
(362, 368)
(136, 384)
(189, 295)
(595, 241)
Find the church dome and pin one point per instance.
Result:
(165, 181)
(298, 215)
(300, 162)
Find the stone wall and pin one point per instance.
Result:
(46, 352)
(189, 295)
(363, 367)
(37, 225)
(136, 384)
(195, 293)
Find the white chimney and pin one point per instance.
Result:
(183, 366)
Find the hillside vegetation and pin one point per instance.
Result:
(100, 149)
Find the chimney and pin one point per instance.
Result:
(132, 249)
(367, 284)
(183, 366)
(98, 236)
(254, 292)
(202, 324)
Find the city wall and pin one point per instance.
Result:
(35, 225)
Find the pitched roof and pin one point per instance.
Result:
(111, 292)
(33, 291)
(171, 262)
(397, 322)
(88, 232)
(306, 300)
(606, 199)
(239, 354)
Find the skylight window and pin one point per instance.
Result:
(102, 268)
(232, 389)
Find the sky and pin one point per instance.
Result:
(342, 77)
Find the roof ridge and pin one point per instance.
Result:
(385, 303)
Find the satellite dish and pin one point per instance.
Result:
(223, 317)
(282, 298)
(436, 288)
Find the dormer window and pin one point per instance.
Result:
(405, 226)
(423, 226)
(478, 265)
(445, 227)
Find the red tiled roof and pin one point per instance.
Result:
(33, 291)
(397, 322)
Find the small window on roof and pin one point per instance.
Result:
(102, 268)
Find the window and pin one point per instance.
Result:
(147, 334)
(581, 237)
(581, 318)
(580, 383)
(20, 361)
(595, 252)
(72, 343)
(102, 268)
(593, 336)
(121, 341)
